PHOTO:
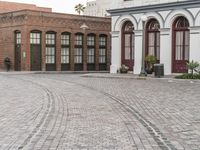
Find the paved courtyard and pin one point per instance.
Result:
(70, 112)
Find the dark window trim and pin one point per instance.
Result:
(51, 45)
(175, 30)
(79, 46)
(131, 33)
(18, 32)
(104, 47)
(91, 47)
(66, 46)
(36, 31)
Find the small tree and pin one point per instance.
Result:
(150, 61)
(192, 66)
(79, 8)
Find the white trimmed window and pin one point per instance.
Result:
(18, 38)
(50, 55)
(35, 38)
(102, 49)
(91, 56)
(78, 50)
(79, 39)
(91, 49)
(65, 39)
(65, 55)
(102, 41)
(65, 48)
(91, 40)
(102, 55)
(50, 48)
(78, 55)
(50, 38)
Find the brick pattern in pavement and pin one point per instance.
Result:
(70, 112)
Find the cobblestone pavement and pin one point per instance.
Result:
(69, 112)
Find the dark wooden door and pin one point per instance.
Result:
(180, 53)
(17, 58)
(35, 57)
(128, 51)
(181, 41)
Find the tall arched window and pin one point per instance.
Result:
(65, 51)
(91, 42)
(50, 51)
(128, 45)
(102, 51)
(180, 54)
(153, 38)
(78, 52)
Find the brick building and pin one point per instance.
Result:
(39, 40)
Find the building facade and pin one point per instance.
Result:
(171, 33)
(38, 40)
(98, 8)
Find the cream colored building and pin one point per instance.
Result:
(134, 3)
(98, 8)
(171, 30)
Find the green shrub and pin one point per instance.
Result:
(150, 61)
(188, 76)
(192, 66)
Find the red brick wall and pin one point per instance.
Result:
(26, 21)
(6, 46)
(7, 42)
(11, 6)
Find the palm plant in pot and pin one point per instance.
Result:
(192, 66)
(150, 60)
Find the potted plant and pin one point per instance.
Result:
(192, 66)
(150, 60)
(124, 69)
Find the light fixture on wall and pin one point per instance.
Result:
(84, 26)
(144, 18)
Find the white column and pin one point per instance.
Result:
(166, 50)
(138, 52)
(195, 44)
(115, 52)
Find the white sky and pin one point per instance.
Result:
(63, 6)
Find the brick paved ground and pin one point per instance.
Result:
(64, 112)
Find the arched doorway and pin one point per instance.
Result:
(128, 44)
(180, 40)
(153, 39)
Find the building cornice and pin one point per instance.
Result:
(155, 7)
(53, 15)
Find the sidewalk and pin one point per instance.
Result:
(126, 76)
(169, 78)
